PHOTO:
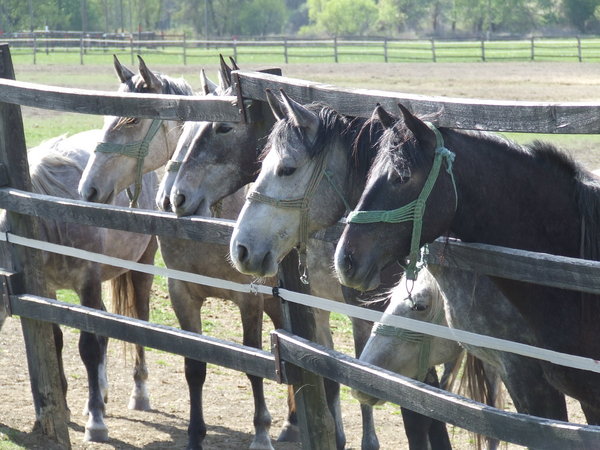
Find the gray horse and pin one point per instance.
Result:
(56, 167)
(108, 172)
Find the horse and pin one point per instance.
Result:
(470, 301)
(56, 167)
(345, 147)
(552, 206)
(106, 173)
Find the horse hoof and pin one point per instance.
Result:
(289, 433)
(262, 445)
(99, 434)
(139, 404)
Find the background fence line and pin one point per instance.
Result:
(289, 50)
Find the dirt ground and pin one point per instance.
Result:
(228, 399)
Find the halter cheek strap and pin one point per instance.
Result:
(137, 150)
(414, 210)
(423, 340)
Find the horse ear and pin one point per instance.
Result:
(421, 131)
(225, 72)
(301, 116)
(386, 119)
(151, 80)
(208, 87)
(275, 105)
(234, 65)
(123, 72)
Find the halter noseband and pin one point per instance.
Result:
(414, 210)
(302, 203)
(137, 150)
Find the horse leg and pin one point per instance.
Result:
(251, 310)
(332, 388)
(290, 432)
(187, 309)
(142, 284)
(361, 330)
(591, 412)
(438, 434)
(92, 349)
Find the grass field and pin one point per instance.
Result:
(325, 51)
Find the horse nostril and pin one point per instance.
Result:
(179, 200)
(348, 263)
(242, 253)
(165, 204)
(91, 195)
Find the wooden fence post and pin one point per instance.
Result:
(81, 49)
(483, 50)
(335, 49)
(285, 50)
(34, 49)
(131, 48)
(532, 48)
(184, 50)
(433, 55)
(315, 421)
(50, 404)
(579, 55)
(385, 50)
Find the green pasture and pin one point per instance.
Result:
(541, 49)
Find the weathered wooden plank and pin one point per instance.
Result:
(118, 217)
(314, 418)
(46, 386)
(172, 107)
(442, 405)
(542, 268)
(471, 114)
(204, 348)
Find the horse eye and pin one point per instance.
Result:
(285, 171)
(420, 307)
(222, 129)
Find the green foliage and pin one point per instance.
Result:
(580, 12)
(347, 17)
(262, 17)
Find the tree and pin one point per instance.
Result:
(344, 17)
(261, 17)
(580, 12)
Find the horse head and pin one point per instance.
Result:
(305, 163)
(406, 195)
(130, 147)
(221, 157)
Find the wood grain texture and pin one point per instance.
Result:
(168, 107)
(463, 113)
(442, 405)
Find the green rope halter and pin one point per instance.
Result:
(301, 204)
(414, 210)
(137, 150)
(435, 316)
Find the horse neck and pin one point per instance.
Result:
(505, 197)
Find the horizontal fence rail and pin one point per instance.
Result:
(180, 49)
(470, 114)
(442, 405)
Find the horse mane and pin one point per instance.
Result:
(358, 135)
(171, 86)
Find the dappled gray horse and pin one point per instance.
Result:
(56, 167)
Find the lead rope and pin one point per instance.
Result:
(414, 210)
(137, 150)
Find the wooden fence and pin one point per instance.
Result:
(179, 49)
(294, 359)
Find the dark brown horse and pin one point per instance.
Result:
(493, 191)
